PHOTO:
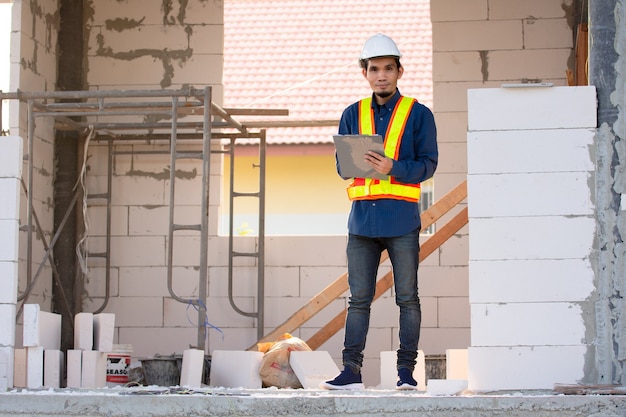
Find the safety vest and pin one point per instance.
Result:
(374, 189)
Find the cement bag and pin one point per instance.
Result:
(275, 368)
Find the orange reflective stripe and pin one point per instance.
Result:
(368, 190)
(371, 189)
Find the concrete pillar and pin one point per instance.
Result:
(607, 72)
(11, 149)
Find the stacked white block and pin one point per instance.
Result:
(532, 224)
(456, 364)
(103, 331)
(11, 149)
(191, 372)
(389, 371)
(312, 367)
(236, 369)
(42, 339)
(93, 339)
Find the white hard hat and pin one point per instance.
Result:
(379, 45)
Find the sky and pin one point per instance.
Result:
(5, 35)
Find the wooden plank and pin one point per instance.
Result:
(426, 249)
(340, 285)
(444, 205)
(582, 55)
(443, 233)
(336, 324)
(256, 112)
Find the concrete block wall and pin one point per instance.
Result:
(170, 48)
(478, 44)
(10, 173)
(33, 68)
(532, 222)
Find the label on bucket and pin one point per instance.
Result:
(118, 365)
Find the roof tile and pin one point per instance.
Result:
(303, 56)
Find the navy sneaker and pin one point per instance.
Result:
(406, 380)
(346, 380)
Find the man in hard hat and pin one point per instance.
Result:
(385, 213)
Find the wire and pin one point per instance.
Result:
(81, 251)
(206, 317)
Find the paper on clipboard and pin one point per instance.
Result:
(350, 151)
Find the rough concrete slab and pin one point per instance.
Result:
(168, 402)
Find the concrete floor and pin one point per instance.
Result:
(178, 402)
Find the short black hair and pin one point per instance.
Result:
(365, 62)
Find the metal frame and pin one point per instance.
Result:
(88, 107)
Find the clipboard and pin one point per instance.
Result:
(350, 150)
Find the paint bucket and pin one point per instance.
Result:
(118, 365)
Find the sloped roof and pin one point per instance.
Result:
(302, 55)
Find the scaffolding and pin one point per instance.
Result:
(99, 114)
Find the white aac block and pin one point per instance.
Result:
(11, 149)
(389, 371)
(7, 330)
(74, 368)
(83, 331)
(531, 108)
(191, 372)
(515, 151)
(517, 280)
(41, 328)
(540, 237)
(50, 330)
(94, 369)
(30, 329)
(19, 368)
(34, 367)
(312, 367)
(7, 361)
(505, 196)
(534, 367)
(236, 369)
(8, 282)
(10, 192)
(103, 331)
(53, 366)
(446, 386)
(9, 230)
(527, 324)
(456, 364)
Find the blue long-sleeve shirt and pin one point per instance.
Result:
(417, 162)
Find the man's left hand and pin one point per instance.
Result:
(380, 163)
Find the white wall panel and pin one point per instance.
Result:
(534, 150)
(524, 367)
(540, 237)
(530, 280)
(535, 194)
(532, 108)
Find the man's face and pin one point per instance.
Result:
(383, 75)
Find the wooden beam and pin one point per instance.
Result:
(426, 249)
(340, 285)
(336, 323)
(444, 205)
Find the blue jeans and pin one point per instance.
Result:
(363, 258)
